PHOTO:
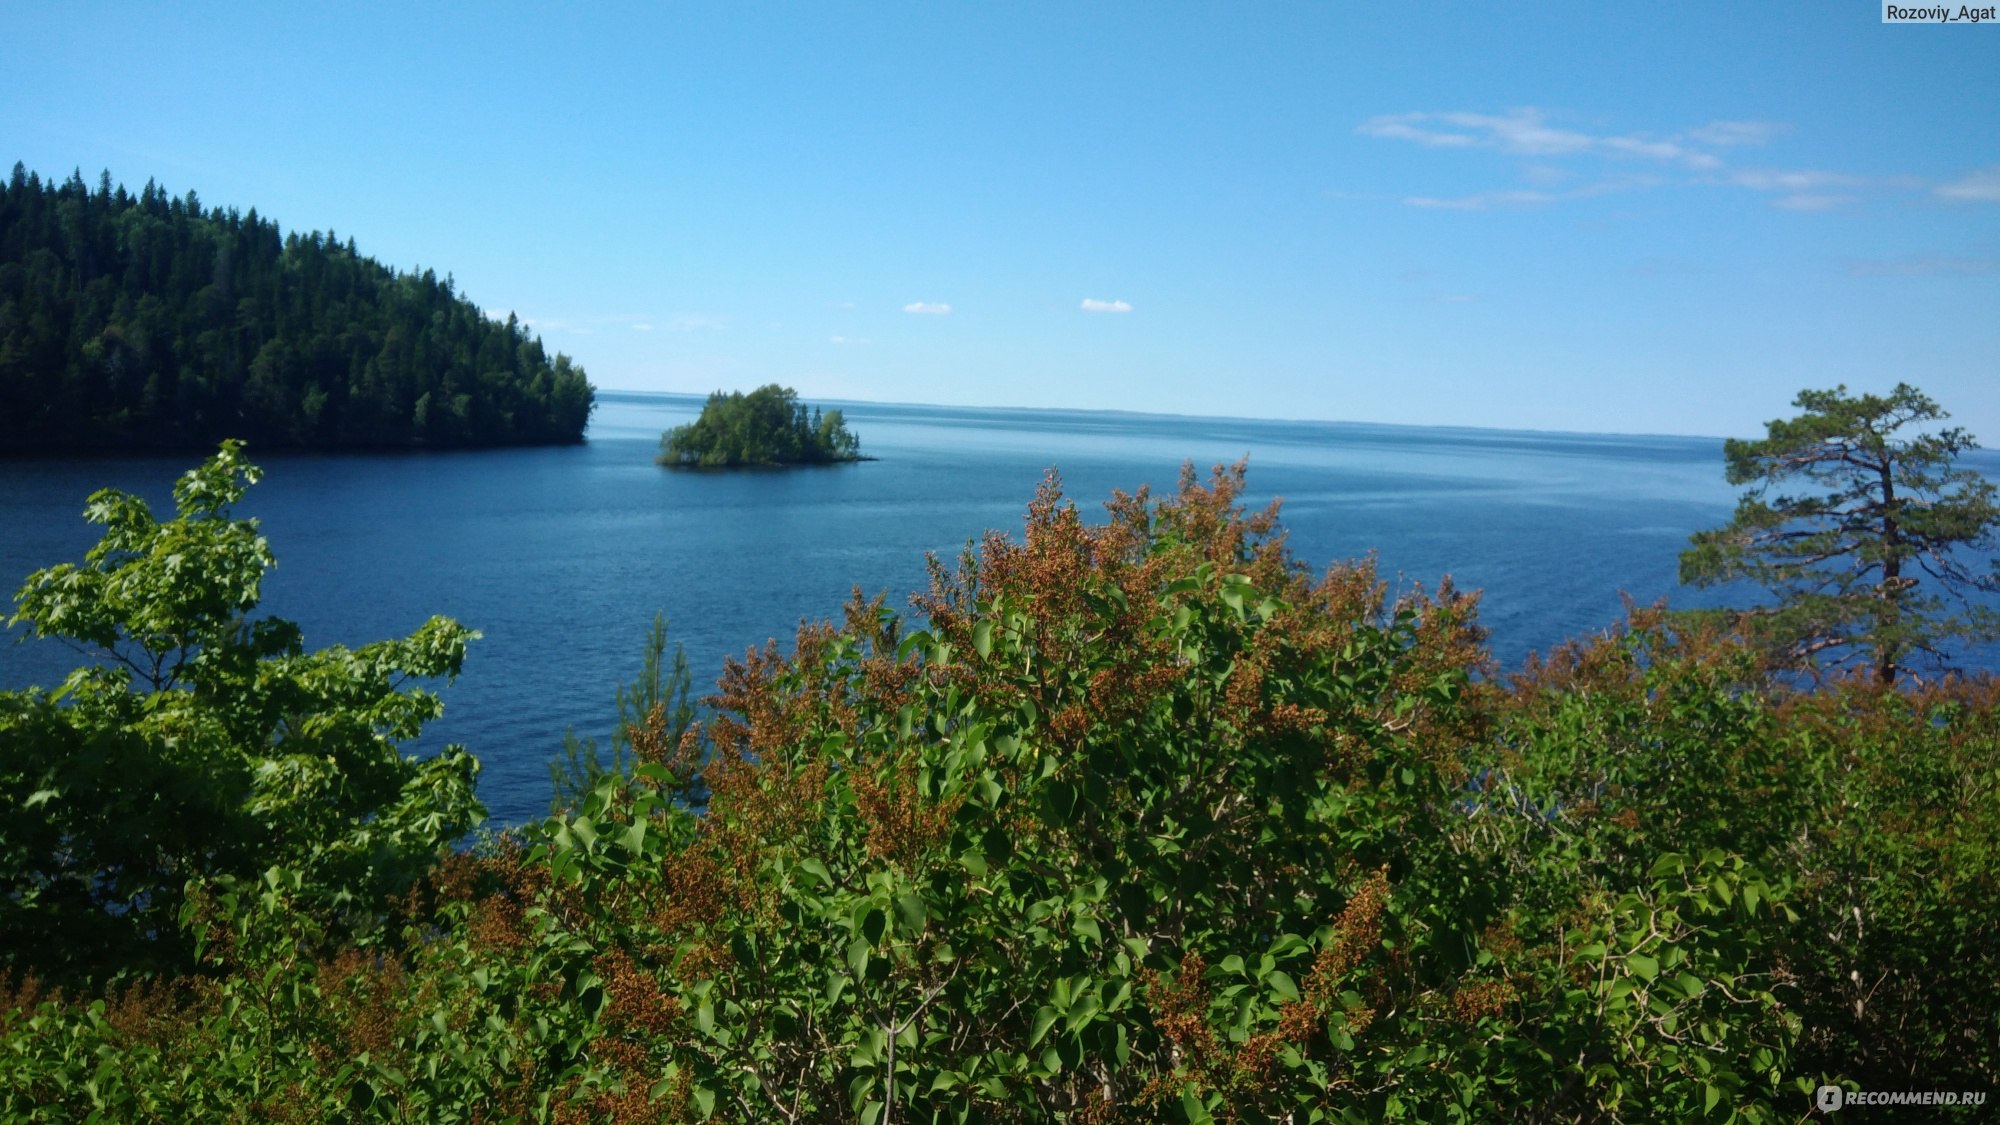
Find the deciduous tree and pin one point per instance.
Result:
(203, 744)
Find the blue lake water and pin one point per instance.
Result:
(562, 556)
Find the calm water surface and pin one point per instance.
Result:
(560, 557)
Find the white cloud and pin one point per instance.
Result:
(1808, 201)
(1092, 304)
(642, 328)
(1523, 197)
(1771, 179)
(500, 315)
(1806, 189)
(1524, 132)
(928, 308)
(1554, 149)
(1483, 201)
(1982, 186)
(1723, 134)
(849, 340)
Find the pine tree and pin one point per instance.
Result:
(1867, 561)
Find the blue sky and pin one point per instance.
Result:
(1610, 217)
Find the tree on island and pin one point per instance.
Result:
(1860, 563)
(768, 426)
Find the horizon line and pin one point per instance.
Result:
(1204, 417)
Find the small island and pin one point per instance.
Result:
(767, 427)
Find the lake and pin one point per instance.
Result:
(562, 556)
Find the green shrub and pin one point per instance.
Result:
(1145, 824)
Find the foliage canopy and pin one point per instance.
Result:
(150, 322)
(1866, 563)
(768, 426)
(1145, 823)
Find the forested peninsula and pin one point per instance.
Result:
(149, 323)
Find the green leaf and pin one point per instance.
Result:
(982, 638)
(1045, 1017)
(869, 1050)
(912, 915)
(1081, 1013)
(872, 923)
(1643, 965)
(634, 838)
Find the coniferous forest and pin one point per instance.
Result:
(149, 322)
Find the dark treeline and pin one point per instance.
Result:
(148, 322)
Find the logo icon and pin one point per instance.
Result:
(1831, 1098)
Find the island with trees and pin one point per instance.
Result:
(149, 323)
(767, 427)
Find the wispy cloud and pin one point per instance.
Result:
(1694, 152)
(1527, 197)
(1807, 189)
(1923, 265)
(1726, 134)
(1772, 179)
(642, 328)
(1982, 186)
(1092, 304)
(928, 308)
(1527, 132)
(849, 340)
